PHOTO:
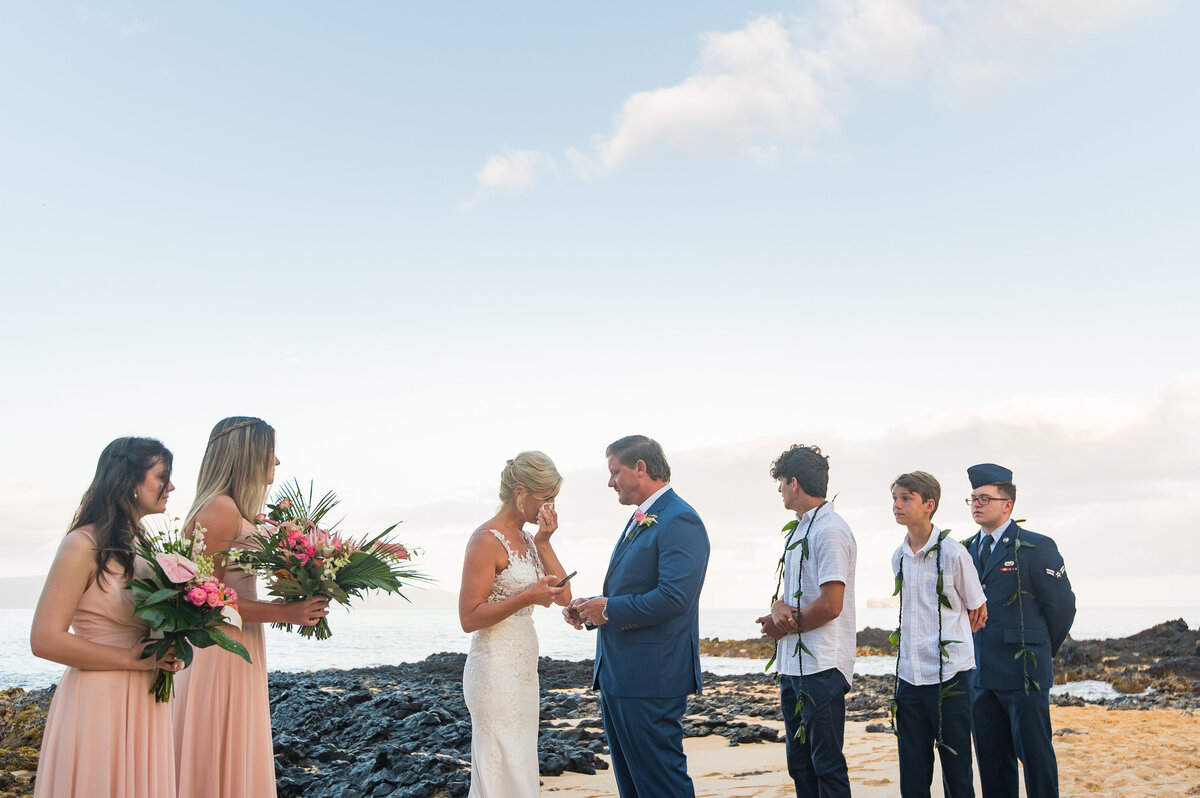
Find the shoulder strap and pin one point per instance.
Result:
(531, 550)
(503, 541)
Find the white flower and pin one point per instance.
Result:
(232, 616)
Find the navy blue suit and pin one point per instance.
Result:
(648, 654)
(1011, 722)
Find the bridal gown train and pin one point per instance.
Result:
(500, 685)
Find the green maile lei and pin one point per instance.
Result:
(1026, 654)
(944, 690)
(790, 528)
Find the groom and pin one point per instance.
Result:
(647, 650)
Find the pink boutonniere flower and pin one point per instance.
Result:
(641, 521)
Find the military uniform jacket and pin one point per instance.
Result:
(1048, 609)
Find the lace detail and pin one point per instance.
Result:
(500, 685)
(522, 571)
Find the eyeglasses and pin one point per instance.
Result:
(982, 501)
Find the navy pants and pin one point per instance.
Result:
(1011, 725)
(917, 725)
(817, 766)
(645, 738)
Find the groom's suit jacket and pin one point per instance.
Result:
(650, 647)
(1048, 608)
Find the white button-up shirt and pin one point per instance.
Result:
(832, 554)
(644, 506)
(919, 652)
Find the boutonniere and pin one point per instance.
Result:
(641, 521)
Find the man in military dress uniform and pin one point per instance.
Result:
(1030, 610)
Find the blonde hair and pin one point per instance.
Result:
(237, 463)
(533, 471)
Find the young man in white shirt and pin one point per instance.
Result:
(942, 604)
(813, 620)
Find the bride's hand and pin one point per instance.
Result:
(547, 518)
(543, 590)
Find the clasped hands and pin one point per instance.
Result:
(586, 611)
(781, 622)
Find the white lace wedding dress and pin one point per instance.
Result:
(500, 685)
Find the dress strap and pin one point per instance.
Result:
(503, 542)
(532, 553)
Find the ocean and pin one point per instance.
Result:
(368, 637)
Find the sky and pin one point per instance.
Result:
(418, 238)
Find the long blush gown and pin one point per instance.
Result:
(105, 734)
(500, 686)
(222, 716)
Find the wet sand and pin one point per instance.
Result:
(1151, 753)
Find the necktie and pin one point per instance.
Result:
(985, 552)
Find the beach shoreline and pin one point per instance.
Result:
(404, 729)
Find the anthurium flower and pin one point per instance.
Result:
(232, 616)
(179, 569)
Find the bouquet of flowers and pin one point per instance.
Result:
(181, 601)
(301, 559)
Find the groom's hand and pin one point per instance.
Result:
(571, 613)
(592, 611)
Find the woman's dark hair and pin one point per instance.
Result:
(108, 505)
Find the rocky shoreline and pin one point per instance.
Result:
(403, 730)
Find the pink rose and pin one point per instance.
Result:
(212, 588)
(284, 504)
(214, 599)
(639, 517)
(230, 596)
(261, 518)
(197, 596)
(179, 569)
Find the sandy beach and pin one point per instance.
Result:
(1132, 753)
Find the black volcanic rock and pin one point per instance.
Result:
(404, 730)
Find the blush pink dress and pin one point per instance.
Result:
(105, 734)
(222, 716)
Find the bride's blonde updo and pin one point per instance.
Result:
(533, 471)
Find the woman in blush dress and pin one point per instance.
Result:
(222, 717)
(105, 734)
(505, 573)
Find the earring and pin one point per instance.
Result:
(135, 495)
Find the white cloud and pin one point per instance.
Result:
(107, 19)
(780, 82)
(512, 170)
(1114, 482)
(751, 83)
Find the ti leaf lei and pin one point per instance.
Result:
(944, 690)
(790, 528)
(1026, 654)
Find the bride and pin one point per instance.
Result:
(506, 572)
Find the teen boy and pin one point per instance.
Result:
(942, 605)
